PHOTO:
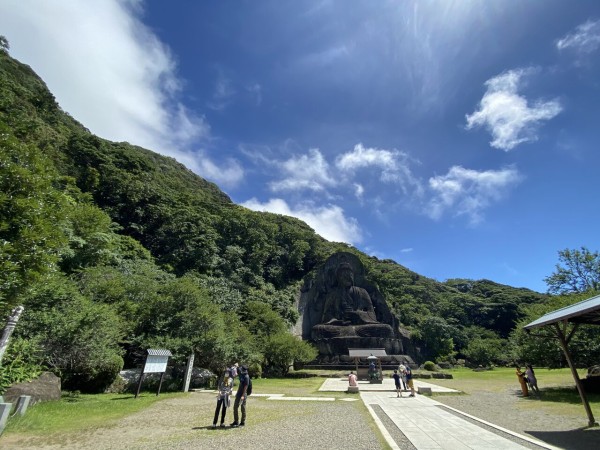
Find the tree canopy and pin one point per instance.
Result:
(577, 271)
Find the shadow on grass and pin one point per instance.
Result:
(562, 395)
(579, 439)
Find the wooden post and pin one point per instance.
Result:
(563, 343)
(140, 383)
(189, 368)
(9, 328)
(162, 376)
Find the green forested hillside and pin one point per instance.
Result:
(113, 248)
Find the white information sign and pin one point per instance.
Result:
(156, 364)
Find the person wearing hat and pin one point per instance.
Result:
(240, 397)
(225, 388)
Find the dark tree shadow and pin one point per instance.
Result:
(579, 439)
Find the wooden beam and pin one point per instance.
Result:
(568, 338)
(563, 343)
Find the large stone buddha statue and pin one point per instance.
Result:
(341, 309)
(348, 310)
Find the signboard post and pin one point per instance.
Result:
(156, 362)
(188, 372)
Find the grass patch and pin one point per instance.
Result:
(77, 412)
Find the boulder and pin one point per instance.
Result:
(45, 387)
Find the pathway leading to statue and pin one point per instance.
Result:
(422, 423)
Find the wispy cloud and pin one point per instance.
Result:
(468, 192)
(507, 115)
(227, 174)
(105, 57)
(223, 93)
(584, 40)
(328, 221)
(255, 90)
(393, 164)
(304, 172)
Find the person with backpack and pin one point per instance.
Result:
(244, 390)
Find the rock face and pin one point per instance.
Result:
(45, 387)
(341, 309)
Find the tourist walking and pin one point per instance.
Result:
(409, 381)
(240, 398)
(225, 387)
(397, 379)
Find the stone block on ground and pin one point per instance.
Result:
(424, 390)
(352, 389)
(45, 387)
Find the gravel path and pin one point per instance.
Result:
(508, 410)
(184, 423)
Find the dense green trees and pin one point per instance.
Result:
(541, 347)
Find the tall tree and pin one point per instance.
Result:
(579, 272)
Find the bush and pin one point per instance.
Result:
(22, 362)
(79, 338)
(429, 365)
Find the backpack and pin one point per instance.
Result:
(249, 388)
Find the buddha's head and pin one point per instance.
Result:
(344, 275)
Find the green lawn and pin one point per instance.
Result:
(73, 413)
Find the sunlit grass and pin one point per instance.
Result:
(73, 413)
(558, 392)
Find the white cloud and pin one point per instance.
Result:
(394, 165)
(112, 74)
(507, 115)
(585, 38)
(359, 190)
(328, 221)
(228, 174)
(303, 172)
(468, 192)
(406, 250)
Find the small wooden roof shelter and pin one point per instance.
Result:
(586, 312)
(369, 353)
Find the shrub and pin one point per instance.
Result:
(22, 362)
(429, 365)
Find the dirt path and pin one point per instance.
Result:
(184, 423)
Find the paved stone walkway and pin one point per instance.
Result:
(427, 424)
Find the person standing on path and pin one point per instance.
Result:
(225, 388)
(397, 379)
(409, 381)
(240, 397)
(402, 371)
(531, 379)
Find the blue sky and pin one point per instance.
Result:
(458, 138)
